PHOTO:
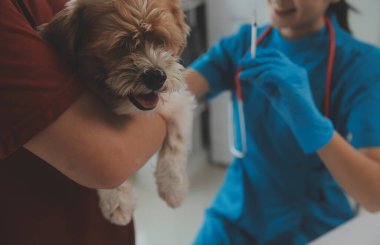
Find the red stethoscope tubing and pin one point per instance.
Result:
(330, 66)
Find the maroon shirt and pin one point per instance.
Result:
(38, 204)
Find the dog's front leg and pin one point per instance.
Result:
(171, 176)
(117, 205)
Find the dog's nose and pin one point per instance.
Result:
(153, 79)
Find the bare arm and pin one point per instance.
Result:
(96, 148)
(357, 171)
(196, 83)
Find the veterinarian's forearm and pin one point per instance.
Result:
(196, 83)
(95, 148)
(357, 173)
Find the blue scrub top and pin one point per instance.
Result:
(277, 194)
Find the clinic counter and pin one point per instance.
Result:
(363, 229)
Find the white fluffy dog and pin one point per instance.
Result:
(128, 50)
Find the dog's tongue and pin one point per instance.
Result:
(148, 101)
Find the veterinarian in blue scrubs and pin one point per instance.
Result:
(313, 126)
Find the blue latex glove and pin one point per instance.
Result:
(287, 87)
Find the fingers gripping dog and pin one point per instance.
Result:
(128, 51)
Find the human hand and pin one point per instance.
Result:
(286, 85)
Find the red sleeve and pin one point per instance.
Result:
(35, 85)
(43, 10)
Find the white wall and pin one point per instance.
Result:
(224, 17)
(366, 24)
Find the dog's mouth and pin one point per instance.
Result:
(145, 102)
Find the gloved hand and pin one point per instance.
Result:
(287, 87)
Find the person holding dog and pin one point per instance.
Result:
(58, 141)
(310, 99)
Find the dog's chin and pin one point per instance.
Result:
(144, 102)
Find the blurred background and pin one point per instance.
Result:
(156, 223)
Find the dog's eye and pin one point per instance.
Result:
(125, 45)
(155, 40)
(160, 42)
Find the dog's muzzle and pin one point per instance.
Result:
(153, 79)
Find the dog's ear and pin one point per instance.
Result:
(179, 18)
(65, 31)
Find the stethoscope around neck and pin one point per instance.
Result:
(237, 100)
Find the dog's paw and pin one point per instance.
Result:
(117, 205)
(173, 195)
(172, 184)
(117, 215)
